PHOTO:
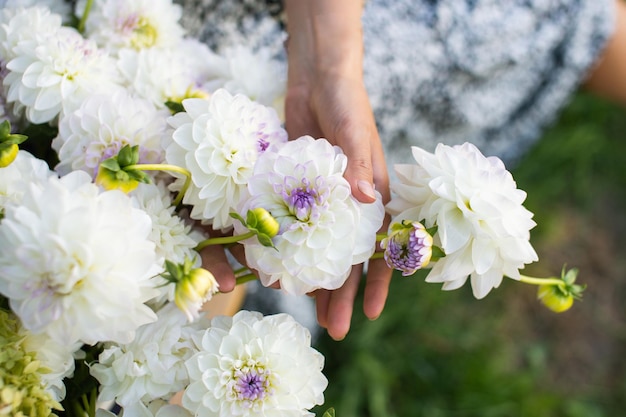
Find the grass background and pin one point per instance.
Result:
(444, 354)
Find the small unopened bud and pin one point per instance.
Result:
(553, 297)
(8, 154)
(408, 247)
(193, 290)
(265, 223)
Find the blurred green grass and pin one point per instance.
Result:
(445, 354)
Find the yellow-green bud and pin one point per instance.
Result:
(193, 290)
(555, 298)
(265, 222)
(110, 180)
(8, 155)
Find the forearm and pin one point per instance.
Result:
(330, 33)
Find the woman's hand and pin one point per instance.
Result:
(326, 97)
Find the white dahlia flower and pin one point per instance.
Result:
(265, 85)
(152, 365)
(174, 238)
(55, 74)
(250, 365)
(16, 27)
(104, 124)
(165, 74)
(218, 141)
(137, 24)
(76, 262)
(483, 228)
(14, 179)
(323, 229)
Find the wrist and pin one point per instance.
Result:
(326, 35)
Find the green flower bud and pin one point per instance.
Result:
(555, 298)
(264, 222)
(8, 154)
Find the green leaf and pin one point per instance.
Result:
(110, 164)
(329, 413)
(252, 220)
(437, 253)
(5, 129)
(238, 217)
(265, 240)
(128, 155)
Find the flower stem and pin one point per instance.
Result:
(166, 167)
(223, 240)
(380, 236)
(378, 255)
(245, 278)
(541, 281)
(83, 19)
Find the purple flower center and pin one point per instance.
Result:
(253, 385)
(301, 200)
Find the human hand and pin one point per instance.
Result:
(326, 97)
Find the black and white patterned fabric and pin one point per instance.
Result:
(491, 72)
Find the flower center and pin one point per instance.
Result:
(144, 34)
(301, 200)
(252, 385)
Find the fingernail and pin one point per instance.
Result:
(366, 188)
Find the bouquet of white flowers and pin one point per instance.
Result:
(136, 141)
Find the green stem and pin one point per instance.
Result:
(380, 236)
(83, 19)
(223, 240)
(166, 167)
(245, 278)
(241, 270)
(378, 255)
(541, 281)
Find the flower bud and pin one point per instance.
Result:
(555, 298)
(193, 290)
(8, 155)
(265, 223)
(112, 180)
(408, 247)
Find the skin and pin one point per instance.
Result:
(326, 97)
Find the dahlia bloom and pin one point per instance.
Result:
(265, 85)
(152, 365)
(219, 140)
(166, 74)
(66, 248)
(14, 179)
(323, 229)
(483, 228)
(250, 365)
(55, 74)
(138, 24)
(102, 125)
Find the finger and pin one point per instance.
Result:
(341, 304)
(214, 259)
(355, 138)
(376, 288)
(322, 298)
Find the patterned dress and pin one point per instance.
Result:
(491, 72)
